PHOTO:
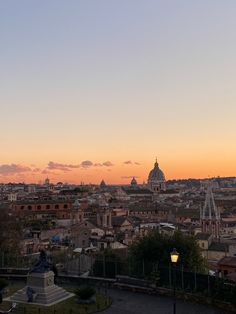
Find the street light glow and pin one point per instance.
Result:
(174, 255)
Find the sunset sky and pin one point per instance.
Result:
(97, 89)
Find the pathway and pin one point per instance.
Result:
(125, 302)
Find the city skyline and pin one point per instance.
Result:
(96, 90)
(86, 172)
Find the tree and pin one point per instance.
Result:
(107, 264)
(156, 248)
(10, 234)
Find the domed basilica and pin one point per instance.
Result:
(156, 179)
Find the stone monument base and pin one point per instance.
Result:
(43, 290)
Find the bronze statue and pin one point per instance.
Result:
(42, 265)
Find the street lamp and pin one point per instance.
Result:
(174, 255)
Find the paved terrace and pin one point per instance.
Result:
(125, 302)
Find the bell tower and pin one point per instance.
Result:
(104, 218)
(210, 215)
(77, 213)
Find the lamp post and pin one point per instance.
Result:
(174, 255)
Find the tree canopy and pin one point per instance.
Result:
(10, 234)
(156, 247)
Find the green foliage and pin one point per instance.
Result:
(11, 233)
(232, 295)
(107, 264)
(155, 277)
(156, 247)
(120, 236)
(69, 306)
(3, 284)
(85, 293)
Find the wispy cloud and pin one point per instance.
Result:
(108, 164)
(104, 164)
(83, 165)
(11, 169)
(60, 166)
(86, 164)
(127, 162)
(130, 162)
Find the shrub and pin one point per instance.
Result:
(85, 293)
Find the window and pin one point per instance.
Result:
(47, 206)
(56, 206)
(22, 207)
(65, 206)
(29, 207)
(39, 207)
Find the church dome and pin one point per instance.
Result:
(133, 182)
(102, 184)
(156, 174)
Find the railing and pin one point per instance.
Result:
(106, 267)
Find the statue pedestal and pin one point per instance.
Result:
(45, 292)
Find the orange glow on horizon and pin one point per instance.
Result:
(121, 173)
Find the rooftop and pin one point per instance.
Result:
(218, 246)
(203, 236)
(228, 261)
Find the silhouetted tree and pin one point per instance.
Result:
(156, 248)
(11, 233)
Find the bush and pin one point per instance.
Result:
(85, 293)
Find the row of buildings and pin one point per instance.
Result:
(90, 217)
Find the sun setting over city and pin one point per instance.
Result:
(118, 156)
